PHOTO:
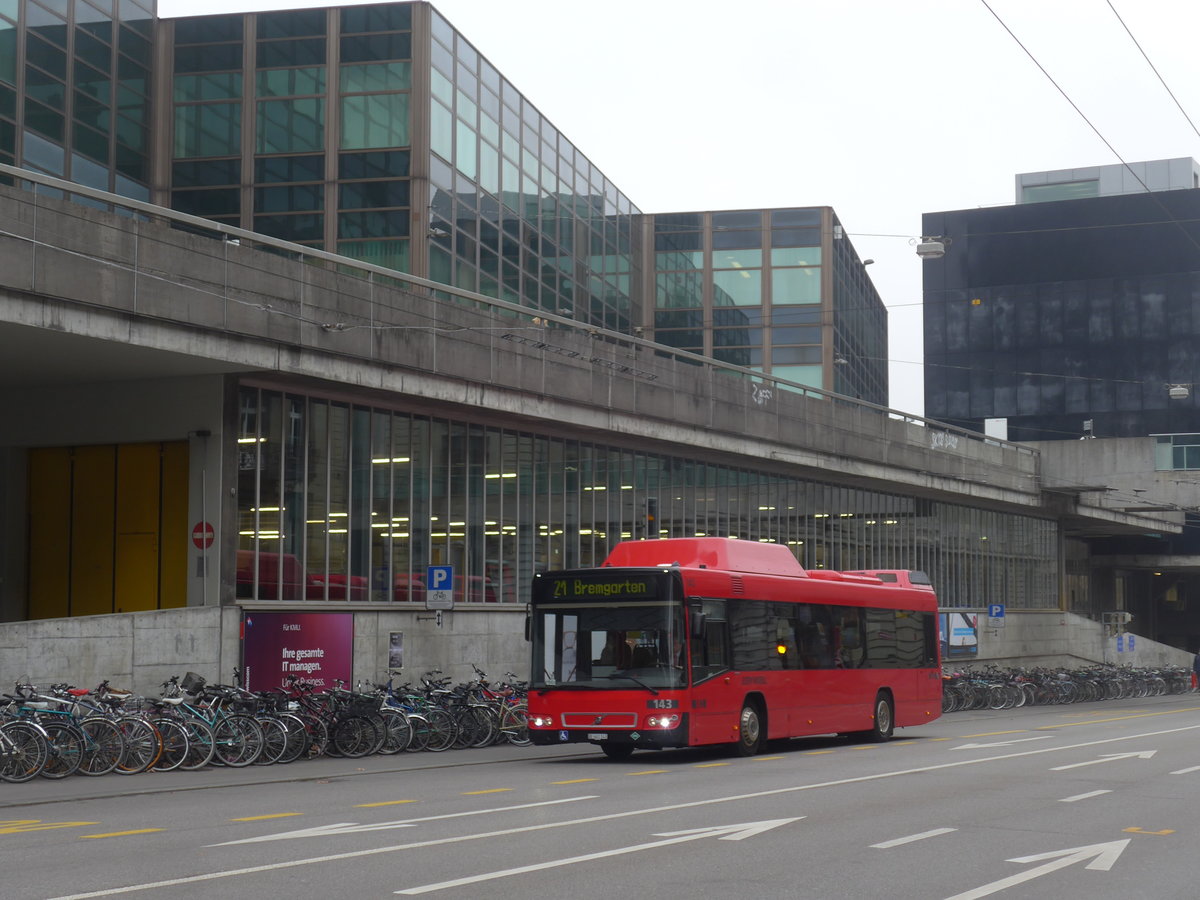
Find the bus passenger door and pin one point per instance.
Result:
(715, 699)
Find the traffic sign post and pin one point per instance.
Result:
(439, 587)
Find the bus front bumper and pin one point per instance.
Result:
(650, 738)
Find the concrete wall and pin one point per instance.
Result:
(1125, 467)
(1065, 640)
(139, 651)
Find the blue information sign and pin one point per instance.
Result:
(439, 587)
(996, 611)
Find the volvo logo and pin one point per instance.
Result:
(597, 720)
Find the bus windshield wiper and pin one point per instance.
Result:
(635, 680)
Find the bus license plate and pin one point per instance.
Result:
(597, 736)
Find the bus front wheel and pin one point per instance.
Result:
(749, 731)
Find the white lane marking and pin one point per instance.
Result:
(723, 832)
(1187, 771)
(1040, 737)
(1102, 857)
(1107, 757)
(354, 827)
(861, 779)
(896, 842)
(1086, 796)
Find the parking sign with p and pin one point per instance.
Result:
(439, 587)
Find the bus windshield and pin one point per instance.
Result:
(618, 642)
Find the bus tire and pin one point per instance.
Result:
(750, 729)
(616, 751)
(884, 718)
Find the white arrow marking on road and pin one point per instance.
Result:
(354, 827)
(723, 832)
(1102, 857)
(1107, 757)
(1040, 737)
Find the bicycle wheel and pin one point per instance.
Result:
(297, 738)
(514, 725)
(202, 744)
(239, 740)
(483, 726)
(397, 731)
(275, 740)
(420, 732)
(174, 744)
(66, 743)
(104, 745)
(317, 732)
(23, 751)
(143, 744)
(354, 736)
(442, 730)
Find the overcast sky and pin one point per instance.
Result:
(882, 109)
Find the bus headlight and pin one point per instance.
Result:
(662, 721)
(541, 721)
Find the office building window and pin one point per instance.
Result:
(1174, 452)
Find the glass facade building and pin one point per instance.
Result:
(339, 500)
(776, 290)
(1057, 313)
(76, 91)
(380, 133)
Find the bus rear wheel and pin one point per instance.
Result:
(750, 734)
(885, 719)
(616, 751)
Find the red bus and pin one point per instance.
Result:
(686, 642)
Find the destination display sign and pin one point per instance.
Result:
(601, 587)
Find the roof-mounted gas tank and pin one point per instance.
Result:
(728, 554)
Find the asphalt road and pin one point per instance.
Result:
(1086, 801)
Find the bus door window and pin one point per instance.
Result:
(710, 651)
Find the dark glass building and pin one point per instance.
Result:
(1067, 318)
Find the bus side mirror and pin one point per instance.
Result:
(697, 621)
(528, 627)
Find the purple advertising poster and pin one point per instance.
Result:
(315, 647)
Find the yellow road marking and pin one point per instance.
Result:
(1140, 831)
(818, 752)
(121, 833)
(1167, 712)
(575, 781)
(650, 772)
(16, 826)
(764, 758)
(489, 791)
(902, 743)
(268, 816)
(708, 765)
(863, 748)
(383, 803)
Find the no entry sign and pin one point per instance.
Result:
(203, 535)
